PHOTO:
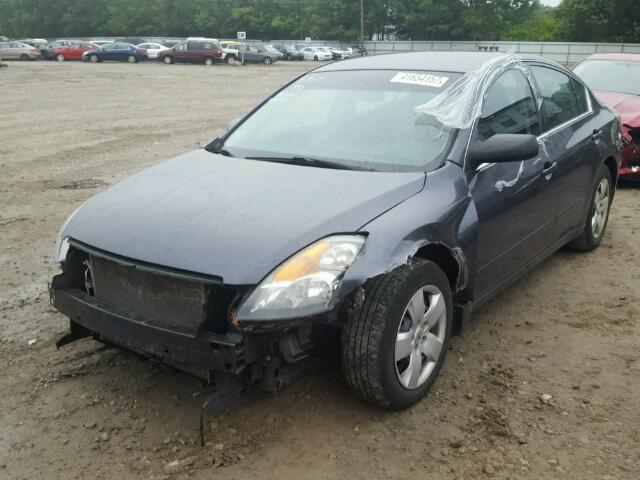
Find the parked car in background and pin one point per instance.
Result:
(3, 38)
(230, 52)
(278, 55)
(18, 51)
(207, 51)
(334, 54)
(153, 49)
(358, 51)
(34, 42)
(340, 54)
(47, 51)
(115, 52)
(252, 54)
(74, 51)
(316, 54)
(615, 79)
(290, 52)
(345, 200)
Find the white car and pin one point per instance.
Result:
(316, 53)
(342, 53)
(153, 49)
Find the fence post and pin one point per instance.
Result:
(568, 53)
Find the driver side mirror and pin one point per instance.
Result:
(233, 123)
(504, 147)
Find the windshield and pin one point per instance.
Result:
(363, 119)
(611, 75)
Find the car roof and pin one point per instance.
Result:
(630, 57)
(461, 62)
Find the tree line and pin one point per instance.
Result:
(522, 20)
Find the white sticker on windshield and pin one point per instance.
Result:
(423, 79)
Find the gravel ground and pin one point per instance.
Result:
(542, 384)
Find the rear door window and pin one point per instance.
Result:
(559, 101)
(581, 94)
(509, 107)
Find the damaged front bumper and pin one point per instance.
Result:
(196, 354)
(186, 322)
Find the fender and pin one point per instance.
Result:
(439, 220)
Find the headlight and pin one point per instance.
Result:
(62, 244)
(305, 284)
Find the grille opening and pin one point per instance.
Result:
(176, 303)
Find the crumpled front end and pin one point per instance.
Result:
(630, 166)
(185, 320)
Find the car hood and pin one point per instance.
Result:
(627, 105)
(233, 218)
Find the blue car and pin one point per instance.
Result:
(116, 52)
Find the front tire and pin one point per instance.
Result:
(132, 59)
(267, 61)
(60, 57)
(394, 346)
(230, 59)
(168, 60)
(24, 57)
(208, 61)
(93, 59)
(598, 215)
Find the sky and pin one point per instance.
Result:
(551, 3)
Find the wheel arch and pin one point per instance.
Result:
(446, 259)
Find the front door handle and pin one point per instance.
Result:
(549, 168)
(596, 134)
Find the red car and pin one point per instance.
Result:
(205, 50)
(615, 80)
(73, 51)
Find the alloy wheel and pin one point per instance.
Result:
(420, 337)
(600, 208)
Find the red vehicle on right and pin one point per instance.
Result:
(615, 79)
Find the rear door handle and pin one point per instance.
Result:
(596, 134)
(549, 168)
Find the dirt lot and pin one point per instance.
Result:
(568, 331)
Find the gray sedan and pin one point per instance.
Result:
(18, 51)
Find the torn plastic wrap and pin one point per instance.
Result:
(461, 104)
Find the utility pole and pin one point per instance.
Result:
(361, 24)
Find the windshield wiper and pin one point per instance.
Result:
(312, 162)
(219, 151)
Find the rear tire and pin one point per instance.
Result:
(598, 213)
(132, 59)
(60, 57)
(208, 61)
(267, 61)
(93, 59)
(168, 59)
(24, 57)
(230, 59)
(315, 58)
(381, 341)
